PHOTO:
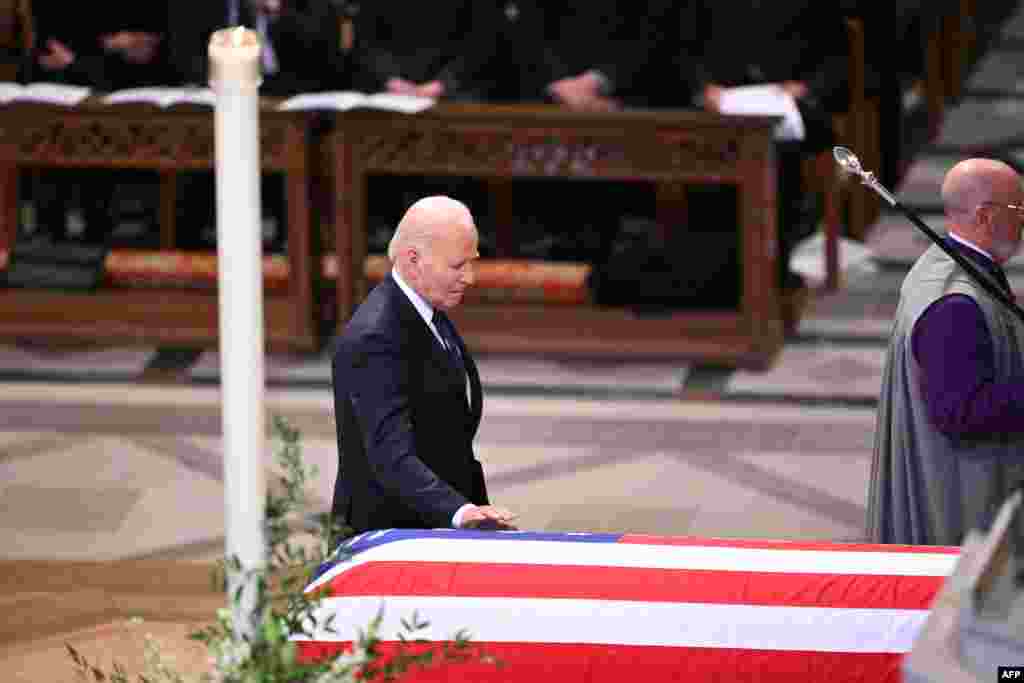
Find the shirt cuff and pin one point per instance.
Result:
(457, 517)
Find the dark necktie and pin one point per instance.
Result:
(447, 331)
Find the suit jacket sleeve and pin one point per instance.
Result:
(689, 47)
(479, 26)
(626, 52)
(456, 45)
(308, 43)
(189, 28)
(380, 395)
(606, 36)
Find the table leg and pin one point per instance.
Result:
(168, 209)
(503, 212)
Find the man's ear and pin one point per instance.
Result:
(983, 215)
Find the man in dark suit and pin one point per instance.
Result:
(407, 395)
(799, 46)
(598, 57)
(587, 58)
(302, 52)
(432, 49)
(119, 46)
(301, 41)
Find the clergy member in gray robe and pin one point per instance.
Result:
(949, 442)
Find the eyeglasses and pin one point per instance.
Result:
(1015, 207)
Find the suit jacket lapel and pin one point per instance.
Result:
(427, 344)
(475, 401)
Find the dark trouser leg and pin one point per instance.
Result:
(792, 224)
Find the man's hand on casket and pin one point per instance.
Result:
(488, 517)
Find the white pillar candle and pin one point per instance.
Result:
(235, 78)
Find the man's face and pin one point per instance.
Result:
(1006, 224)
(445, 267)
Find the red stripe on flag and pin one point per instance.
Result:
(506, 580)
(585, 663)
(641, 539)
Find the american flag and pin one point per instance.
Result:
(581, 607)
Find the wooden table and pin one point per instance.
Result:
(98, 136)
(495, 142)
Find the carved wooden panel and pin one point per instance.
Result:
(542, 152)
(157, 141)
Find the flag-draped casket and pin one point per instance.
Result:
(574, 607)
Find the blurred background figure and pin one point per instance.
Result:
(598, 57)
(441, 50)
(121, 47)
(301, 38)
(800, 46)
(585, 58)
(429, 50)
(302, 52)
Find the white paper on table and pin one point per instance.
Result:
(49, 93)
(350, 99)
(9, 91)
(765, 100)
(162, 96)
(132, 95)
(204, 96)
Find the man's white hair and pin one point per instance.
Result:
(426, 220)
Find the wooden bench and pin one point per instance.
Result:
(669, 149)
(146, 300)
(98, 136)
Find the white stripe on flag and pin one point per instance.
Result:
(529, 620)
(712, 558)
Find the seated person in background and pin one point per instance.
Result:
(588, 58)
(302, 52)
(595, 57)
(301, 39)
(138, 49)
(120, 47)
(894, 51)
(799, 45)
(435, 50)
(426, 49)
